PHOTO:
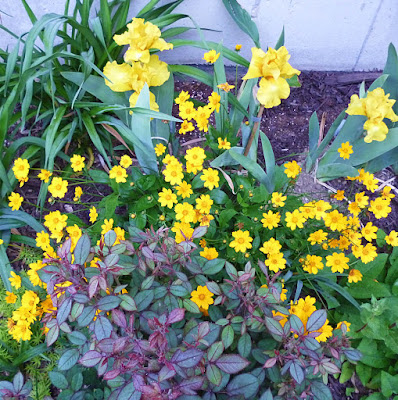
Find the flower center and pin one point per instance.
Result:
(202, 297)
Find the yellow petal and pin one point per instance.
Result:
(256, 64)
(158, 71)
(356, 106)
(272, 91)
(121, 76)
(376, 130)
(152, 101)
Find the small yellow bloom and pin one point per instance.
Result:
(15, 201)
(118, 173)
(204, 203)
(184, 212)
(44, 175)
(338, 262)
(107, 226)
(242, 241)
(339, 195)
(21, 169)
(226, 87)
(312, 264)
(184, 190)
(224, 144)
(354, 276)
(182, 97)
(238, 47)
(78, 193)
(167, 198)
(186, 127)
(345, 150)
(77, 162)
(15, 280)
(211, 56)
(58, 187)
(278, 199)
(93, 214)
(292, 169)
(392, 239)
(202, 297)
(210, 178)
(214, 102)
(10, 298)
(160, 149)
(125, 161)
(42, 240)
(210, 253)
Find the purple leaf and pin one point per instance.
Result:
(92, 287)
(108, 303)
(296, 372)
(176, 315)
(119, 318)
(316, 320)
(166, 373)
(231, 363)
(112, 374)
(191, 385)
(102, 327)
(90, 359)
(215, 351)
(270, 363)
(64, 310)
(52, 335)
(213, 374)
(274, 326)
(187, 359)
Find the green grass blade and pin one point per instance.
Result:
(29, 11)
(10, 67)
(243, 20)
(5, 266)
(193, 72)
(51, 132)
(89, 124)
(281, 40)
(106, 21)
(147, 8)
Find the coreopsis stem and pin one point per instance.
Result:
(254, 130)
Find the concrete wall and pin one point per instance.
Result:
(320, 34)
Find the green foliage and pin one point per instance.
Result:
(373, 156)
(373, 329)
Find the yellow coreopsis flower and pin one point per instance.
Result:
(369, 232)
(10, 298)
(210, 253)
(392, 239)
(21, 170)
(312, 264)
(78, 193)
(42, 240)
(184, 212)
(160, 148)
(107, 226)
(186, 127)
(271, 246)
(15, 280)
(184, 190)
(380, 207)
(211, 56)
(317, 237)
(210, 178)
(118, 173)
(275, 262)
(223, 144)
(204, 203)
(271, 220)
(15, 201)
(167, 198)
(338, 262)
(292, 169)
(202, 297)
(58, 187)
(278, 199)
(238, 47)
(225, 86)
(125, 161)
(183, 231)
(55, 221)
(77, 162)
(294, 220)
(93, 214)
(187, 110)
(242, 241)
(141, 36)
(214, 101)
(354, 276)
(182, 97)
(345, 150)
(44, 175)
(173, 173)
